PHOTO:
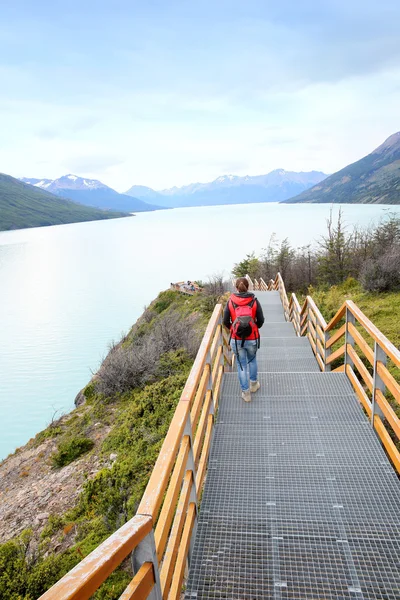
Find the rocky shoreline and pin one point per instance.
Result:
(32, 489)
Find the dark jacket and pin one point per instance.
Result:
(227, 319)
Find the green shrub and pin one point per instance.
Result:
(13, 567)
(70, 449)
(48, 433)
(90, 391)
(164, 300)
(54, 523)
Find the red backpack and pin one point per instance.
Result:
(244, 326)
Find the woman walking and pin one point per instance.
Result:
(243, 315)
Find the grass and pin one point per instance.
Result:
(382, 309)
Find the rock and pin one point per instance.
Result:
(42, 516)
(80, 399)
(113, 456)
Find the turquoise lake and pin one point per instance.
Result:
(67, 291)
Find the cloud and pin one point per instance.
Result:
(91, 163)
(169, 93)
(48, 133)
(82, 123)
(64, 127)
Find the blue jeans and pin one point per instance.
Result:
(245, 356)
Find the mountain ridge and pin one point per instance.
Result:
(374, 179)
(275, 186)
(23, 206)
(90, 192)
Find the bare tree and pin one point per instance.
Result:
(334, 260)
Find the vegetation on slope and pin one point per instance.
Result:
(382, 309)
(371, 256)
(375, 179)
(23, 205)
(134, 395)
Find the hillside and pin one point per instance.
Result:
(275, 186)
(375, 179)
(23, 205)
(91, 192)
(81, 478)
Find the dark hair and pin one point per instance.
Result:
(242, 285)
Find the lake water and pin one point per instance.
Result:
(67, 291)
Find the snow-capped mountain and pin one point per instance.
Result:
(41, 183)
(72, 182)
(276, 186)
(90, 192)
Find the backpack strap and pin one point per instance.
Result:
(237, 354)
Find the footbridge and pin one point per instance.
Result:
(294, 495)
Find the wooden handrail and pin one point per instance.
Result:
(387, 346)
(279, 285)
(336, 336)
(370, 388)
(295, 302)
(92, 571)
(173, 488)
(251, 285)
(361, 343)
(142, 584)
(335, 355)
(337, 318)
(317, 312)
(390, 350)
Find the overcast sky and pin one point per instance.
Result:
(168, 92)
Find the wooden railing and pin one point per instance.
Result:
(260, 285)
(352, 339)
(365, 364)
(251, 285)
(254, 284)
(277, 284)
(313, 324)
(160, 535)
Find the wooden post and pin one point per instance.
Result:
(379, 356)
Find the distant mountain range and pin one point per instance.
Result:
(232, 189)
(90, 192)
(23, 205)
(375, 179)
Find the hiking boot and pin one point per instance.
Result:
(254, 386)
(246, 396)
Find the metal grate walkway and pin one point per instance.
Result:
(300, 500)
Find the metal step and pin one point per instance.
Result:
(288, 409)
(300, 501)
(292, 351)
(293, 384)
(277, 330)
(288, 342)
(288, 365)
